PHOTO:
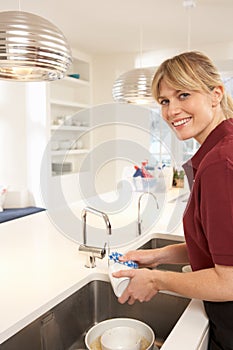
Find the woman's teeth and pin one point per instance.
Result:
(181, 122)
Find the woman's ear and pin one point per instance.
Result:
(217, 94)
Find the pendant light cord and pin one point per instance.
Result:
(140, 6)
(140, 45)
(19, 5)
(189, 29)
(189, 5)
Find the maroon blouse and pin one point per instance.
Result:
(208, 218)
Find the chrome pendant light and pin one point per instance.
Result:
(134, 86)
(31, 48)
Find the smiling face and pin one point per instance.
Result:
(191, 114)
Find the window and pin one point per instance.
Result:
(165, 148)
(160, 144)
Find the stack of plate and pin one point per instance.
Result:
(61, 168)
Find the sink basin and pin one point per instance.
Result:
(99, 303)
(64, 327)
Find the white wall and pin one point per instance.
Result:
(37, 137)
(13, 138)
(106, 68)
(12, 135)
(22, 140)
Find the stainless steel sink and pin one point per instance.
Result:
(64, 327)
(98, 303)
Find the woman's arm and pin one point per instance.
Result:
(172, 254)
(214, 284)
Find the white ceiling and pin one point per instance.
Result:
(111, 26)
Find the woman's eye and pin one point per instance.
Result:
(164, 102)
(184, 95)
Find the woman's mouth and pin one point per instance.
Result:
(180, 122)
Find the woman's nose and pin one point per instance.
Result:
(173, 109)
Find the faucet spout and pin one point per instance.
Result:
(139, 209)
(98, 213)
(93, 252)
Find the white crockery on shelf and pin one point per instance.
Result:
(54, 145)
(68, 121)
(79, 144)
(65, 144)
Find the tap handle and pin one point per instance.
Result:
(94, 251)
(103, 251)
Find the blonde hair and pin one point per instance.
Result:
(194, 71)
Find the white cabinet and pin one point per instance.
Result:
(69, 115)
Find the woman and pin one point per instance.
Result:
(194, 104)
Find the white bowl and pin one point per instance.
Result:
(94, 333)
(120, 338)
(65, 144)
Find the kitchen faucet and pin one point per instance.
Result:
(139, 209)
(93, 252)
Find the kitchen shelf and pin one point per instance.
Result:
(64, 173)
(70, 99)
(76, 81)
(69, 152)
(69, 128)
(69, 103)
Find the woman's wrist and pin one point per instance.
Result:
(159, 279)
(162, 256)
(173, 254)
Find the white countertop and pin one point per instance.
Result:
(40, 267)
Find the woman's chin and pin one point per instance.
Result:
(182, 136)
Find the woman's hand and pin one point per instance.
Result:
(213, 284)
(171, 254)
(144, 258)
(142, 285)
